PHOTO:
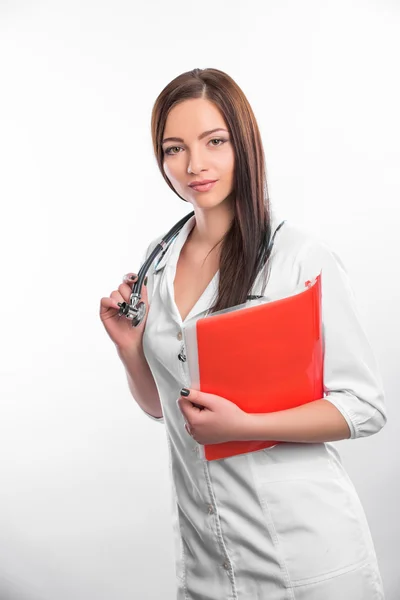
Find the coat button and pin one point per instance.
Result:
(179, 336)
(210, 508)
(226, 565)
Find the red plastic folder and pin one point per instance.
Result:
(265, 356)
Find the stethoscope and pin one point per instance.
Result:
(136, 308)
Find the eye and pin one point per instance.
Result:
(218, 140)
(168, 150)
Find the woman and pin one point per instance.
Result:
(284, 522)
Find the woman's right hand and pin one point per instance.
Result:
(120, 329)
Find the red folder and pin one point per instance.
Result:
(264, 355)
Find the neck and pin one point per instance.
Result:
(210, 227)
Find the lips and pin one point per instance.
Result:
(204, 187)
(199, 183)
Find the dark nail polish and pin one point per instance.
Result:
(145, 280)
(185, 392)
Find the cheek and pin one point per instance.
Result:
(226, 164)
(172, 171)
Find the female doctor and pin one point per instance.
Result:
(283, 523)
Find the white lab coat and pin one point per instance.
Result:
(283, 523)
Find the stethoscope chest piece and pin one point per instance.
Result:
(134, 311)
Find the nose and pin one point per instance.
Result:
(196, 162)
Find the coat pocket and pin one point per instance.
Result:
(312, 511)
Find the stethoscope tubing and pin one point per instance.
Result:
(136, 308)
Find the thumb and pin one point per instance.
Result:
(199, 399)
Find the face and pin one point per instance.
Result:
(192, 156)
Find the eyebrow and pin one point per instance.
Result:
(201, 136)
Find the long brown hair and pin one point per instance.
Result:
(244, 248)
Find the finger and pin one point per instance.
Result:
(111, 303)
(107, 303)
(130, 277)
(116, 295)
(185, 403)
(125, 290)
(200, 406)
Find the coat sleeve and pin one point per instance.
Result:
(352, 380)
(145, 255)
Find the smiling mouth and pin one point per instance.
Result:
(205, 187)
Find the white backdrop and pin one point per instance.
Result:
(84, 491)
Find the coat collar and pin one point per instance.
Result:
(170, 260)
(178, 241)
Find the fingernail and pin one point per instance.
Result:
(133, 276)
(145, 280)
(185, 392)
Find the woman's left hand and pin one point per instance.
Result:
(218, 420)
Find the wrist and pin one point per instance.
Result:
(126, 354)
(250, 429)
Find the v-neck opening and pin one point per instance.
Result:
(192, 310)
(180, 241)
(171, 262)
(199, 299)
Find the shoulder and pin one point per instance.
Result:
(300, 254)
(303, 246)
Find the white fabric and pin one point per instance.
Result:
(286, 522)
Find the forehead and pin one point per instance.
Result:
(193, 116)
